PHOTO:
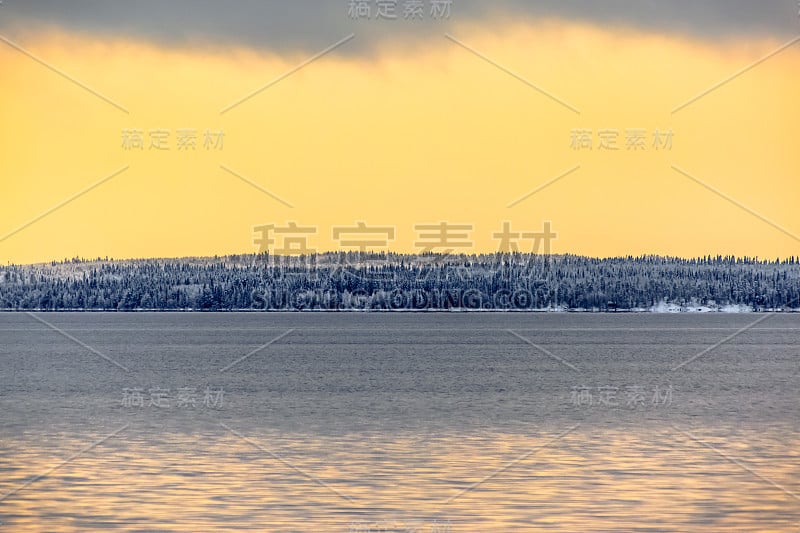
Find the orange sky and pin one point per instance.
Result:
(410, 135)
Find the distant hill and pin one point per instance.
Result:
(388, 281)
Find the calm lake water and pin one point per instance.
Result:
(399, 422)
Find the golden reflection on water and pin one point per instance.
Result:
(589, 480)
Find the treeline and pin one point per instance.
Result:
(397, 281)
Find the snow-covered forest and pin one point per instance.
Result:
(347, 281)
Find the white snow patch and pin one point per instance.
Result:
(736, 308)
(664, 307)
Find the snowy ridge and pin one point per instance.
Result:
(398, 282)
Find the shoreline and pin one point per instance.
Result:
(411, 311)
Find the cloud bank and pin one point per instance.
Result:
(308, 25)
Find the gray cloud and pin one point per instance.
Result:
(310, 25)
